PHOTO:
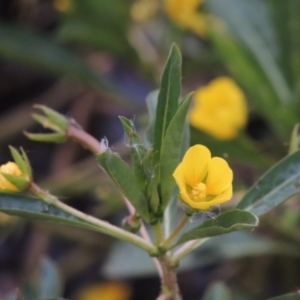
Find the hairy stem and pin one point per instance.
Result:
(169, 284)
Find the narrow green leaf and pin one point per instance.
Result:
(218, 291)
(35, 209)
(47, 137)
(27, 163)
(168, 99)
(171, 151)
(292, 296)
(224, 223)
(137, 151)
(151, 102)
(277, 185)
(54, 117)
(123, 177)
(19, 160)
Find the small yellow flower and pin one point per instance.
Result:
(105, 291)
(62, 5)
(12, 169)
(203, 181)
(219, 109)
(184, 13)
(143, 10)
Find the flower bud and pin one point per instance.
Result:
(11, 178)
(132, 223)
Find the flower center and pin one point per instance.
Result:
(199, 192)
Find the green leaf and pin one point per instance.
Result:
(224, 223)
(151, 102)
(137, 151)
(168, 99)
(218, 291)
(288, 37)
(47, 137)
(294, 296)
(35, 209)
(277, 185)
(123, 177)
(22, 164)
(172, 150)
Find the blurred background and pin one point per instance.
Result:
(94, 60)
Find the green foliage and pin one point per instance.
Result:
(277, 185)
(168, 100)
(137, 151)
(125, 180)
(36, 209)
(171, 151)
(224, 223)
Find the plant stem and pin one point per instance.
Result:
(158, 233)
(169, 284)
(186, 249)
(83, 138)
(144, 233)
(167, 244)
(94, 223)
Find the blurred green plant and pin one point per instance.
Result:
(148, 186)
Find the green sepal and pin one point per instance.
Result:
(168, 100)
(47, 137)
(226, 222)
(137, 150)
(123, 177)
(44, 121)
(21, 160)
(54, 117)
(20, 182)
(171, 151)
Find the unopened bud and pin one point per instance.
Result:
(132, 223)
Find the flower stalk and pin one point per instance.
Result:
(167, 244)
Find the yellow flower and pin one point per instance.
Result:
(144, 10)
(184, 13)
(12, 169)
(62, 5)
(219, 109)
(203, 181)
(105, 291)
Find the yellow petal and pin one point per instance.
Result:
(219, 176)
(223, 197)
(195, 164)
(179, 177)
